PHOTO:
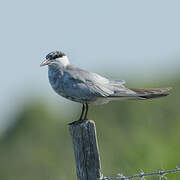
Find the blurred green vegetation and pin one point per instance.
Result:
(132, 135)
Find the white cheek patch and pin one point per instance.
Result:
(63, 61)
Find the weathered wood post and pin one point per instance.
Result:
(88, 166)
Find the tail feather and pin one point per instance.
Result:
(151, 93)
(142, 94)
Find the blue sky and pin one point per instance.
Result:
(119, 38)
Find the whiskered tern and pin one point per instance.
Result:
(86, 87)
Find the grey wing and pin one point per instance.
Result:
(94, 77)
(85, 85)
(117, 82)
(91, 85)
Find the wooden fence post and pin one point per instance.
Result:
(88, 166)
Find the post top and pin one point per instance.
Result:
(81, 123)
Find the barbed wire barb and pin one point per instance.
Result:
(142, 174)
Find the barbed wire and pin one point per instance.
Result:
(162, 175)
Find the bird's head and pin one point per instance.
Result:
(55, 58)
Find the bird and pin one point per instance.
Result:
(86, 87)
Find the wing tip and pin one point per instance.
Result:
(153, 96)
